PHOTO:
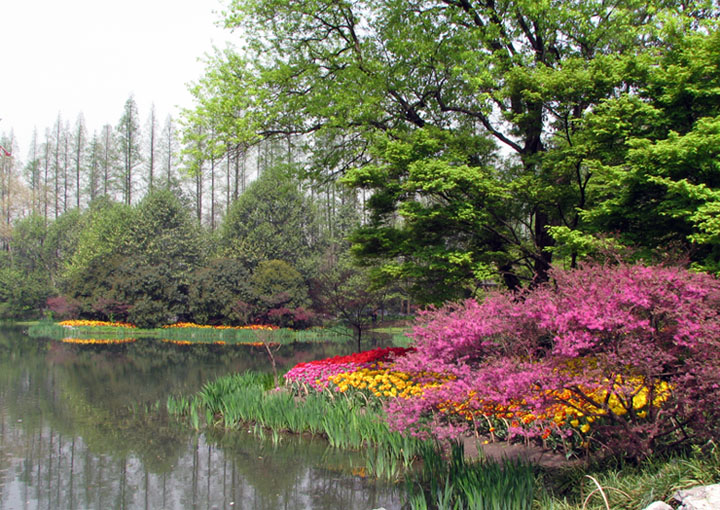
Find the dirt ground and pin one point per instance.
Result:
(501, 450)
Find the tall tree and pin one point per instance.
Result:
(94, 182)
(152, 147)
(195, 138)
(273, 219)
(47, 150)
(169, 148)
(12, 202)
(79, 143)
(57, 148)
(129, 146)
(109, 157)
(33, 169)
(655, 151)
(66, 165)
(520, 72)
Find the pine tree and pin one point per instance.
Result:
(128, 137)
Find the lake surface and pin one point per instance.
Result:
(84, 427)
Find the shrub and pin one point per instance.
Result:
(625, 358)
(63, 307)
(215, 290)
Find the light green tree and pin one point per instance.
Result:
(654, 151)
(355, 76)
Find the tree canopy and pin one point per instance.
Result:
(273, 219)
(405, 95)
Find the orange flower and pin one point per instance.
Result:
(79, 322)
(98, 341)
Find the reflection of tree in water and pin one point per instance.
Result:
(56, 471)
(76, 432)
(301, 473)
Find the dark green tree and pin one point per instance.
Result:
(137, 262)
(129, 147)
(279, 294)
(25, 283)
(273, 219)
(346, 293)
(220, 293)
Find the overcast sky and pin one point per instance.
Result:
(88, 56)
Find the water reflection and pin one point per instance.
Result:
(79, 430)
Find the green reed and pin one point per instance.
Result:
(452, 482)
(243, 400)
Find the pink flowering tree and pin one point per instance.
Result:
(620, 357)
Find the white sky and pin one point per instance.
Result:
(88, 56)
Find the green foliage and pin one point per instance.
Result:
(216, 292)
(106, 233)
(426, 226)
(450, 481)
(279, 294)
(406, 94)
(276, 283)
(61, 242)
(163, 234)
(22, 295)
(271, 220)
(135, 263)
(156, 294)
(346, 292)
(627, 486)
(654, 151)
(27, 245)
(243, 400)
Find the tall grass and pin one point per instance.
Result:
(436, 478)
(628, 486)
(244, 400)
(452, 482)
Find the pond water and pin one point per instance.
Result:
(81, 428)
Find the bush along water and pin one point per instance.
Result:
(619, 360)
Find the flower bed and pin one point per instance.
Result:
(569, 415)
(260, 327)
(98, 341)
(316, 374)
(218, 342)
(82, 322)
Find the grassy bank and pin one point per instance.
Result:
(619, 486)
(243, 400)
(439, 477)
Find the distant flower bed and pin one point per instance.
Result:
(82, 322)
(98, 341)
(206, 326)
(219, 342)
